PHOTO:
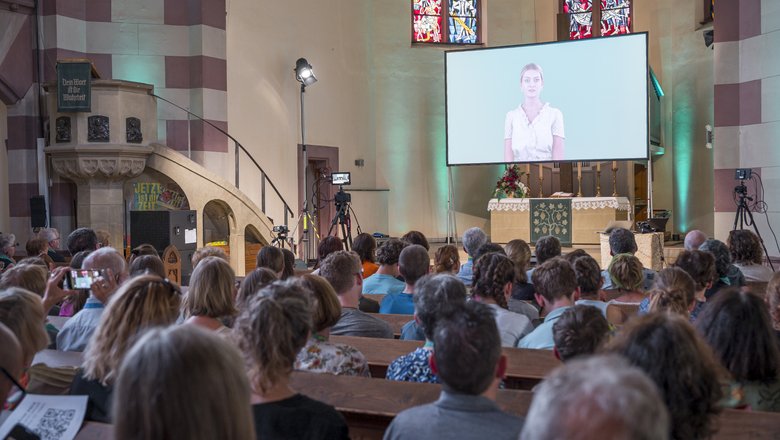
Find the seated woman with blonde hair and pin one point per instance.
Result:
(320, 355)
(673, 291)
(182, 382)
(22, 312)
(627, 277)
(270, 332)
(211, 297)
(143, 302)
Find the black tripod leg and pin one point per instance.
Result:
(760, 239)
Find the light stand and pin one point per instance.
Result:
(305, 75)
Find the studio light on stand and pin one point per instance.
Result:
(305, 75)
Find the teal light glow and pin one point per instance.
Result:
(682, 121)
(659, 92)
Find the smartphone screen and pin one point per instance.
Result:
(82, 278)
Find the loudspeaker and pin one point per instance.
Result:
(38, 211)
(164, 228)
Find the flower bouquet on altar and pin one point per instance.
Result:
(510, 186)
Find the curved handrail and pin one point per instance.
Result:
(238, 144)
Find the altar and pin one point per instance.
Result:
(579, 218)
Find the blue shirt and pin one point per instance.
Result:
(542, 336)
(380, 283)
(413, 367)
(647, 284)
(78, 330)
(412, 332)
(398, 303)
(601, 305)
(466, 272)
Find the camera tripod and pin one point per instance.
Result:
(745, 217)
(281, 237)
(343, 218)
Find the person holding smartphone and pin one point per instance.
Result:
(534, 130)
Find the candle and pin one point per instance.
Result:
(614, 165)
(541, 171)
(528, 169)
(598, 166)
(579, 170)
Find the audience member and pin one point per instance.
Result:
(468, 362)
(78, 330)
(667, 348)
(555, 282)
(342, 270)
(143, 249)
(622, 241)
(700, 266)
(416, 237)
(436, 297)
(773, 303)
(103, 238)
(365, 246)
(473, 238)
(674, 291)
(493, 277)
(144, 302)
(488, 248)
(82, 239)
(22, 312)
(522, 299)
(252, 283)
(72, 304)
(207, 251)
(8, 246)
(271, 332)
(546, 248)
(10, 363)
(289, 264)
(52, 237)
(589, 282)
(385, 279)
(320, 355)
(327, 246)
(271, 257)
(182, 382)
(599, 397)
(38, 248)
(748, 256)
(625, 271)
(413, 264)
(147, 264)
(738, 328)
(446, 259)
(727, 273)
(33, 278)
(694, 239)
(573, 255)
(211, 296)
(580, 331)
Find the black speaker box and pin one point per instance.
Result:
(38, 211)
(164, 228)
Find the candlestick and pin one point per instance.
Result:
(541, 180)
(598, 180)
(579, 170)
(598, 167)
(614, 178)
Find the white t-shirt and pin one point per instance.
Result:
(532, 140)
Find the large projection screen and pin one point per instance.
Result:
(578, 101)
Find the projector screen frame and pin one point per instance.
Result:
(471, 49)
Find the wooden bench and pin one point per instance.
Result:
(369, 405)
(525, 367)
(395, 321)
(378, 297)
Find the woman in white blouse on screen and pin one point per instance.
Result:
(534, 130)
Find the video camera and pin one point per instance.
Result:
(281, 229)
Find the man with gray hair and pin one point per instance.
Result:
(597, 397)
(694, 239)
(52, 237)
(473, 239)
(77, 331)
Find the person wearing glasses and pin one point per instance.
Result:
(52, 237)
(144, 302)
(7, 250)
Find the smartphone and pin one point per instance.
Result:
(82, 278)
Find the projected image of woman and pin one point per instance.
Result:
(534, 130)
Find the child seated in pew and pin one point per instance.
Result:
(673, 291)
(589, 281)
(580, 331)
(522, 299)
(555, 282)
(413, 264)
(143, 302)
(385, 279)
(436, 297)
(468, 361)
(182, 382)
(270, 332)
(494, 275)
(597, 397)
(320, 355)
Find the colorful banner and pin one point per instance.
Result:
(151, 196)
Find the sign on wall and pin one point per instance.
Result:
(152, 196)
(74, 86)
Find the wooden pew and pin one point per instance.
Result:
(395, 321)
(378, 297)
(370, 405)
(525, 367)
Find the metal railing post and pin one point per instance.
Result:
(237, 152)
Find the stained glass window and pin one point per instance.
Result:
(612, 17)
(445, 21)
